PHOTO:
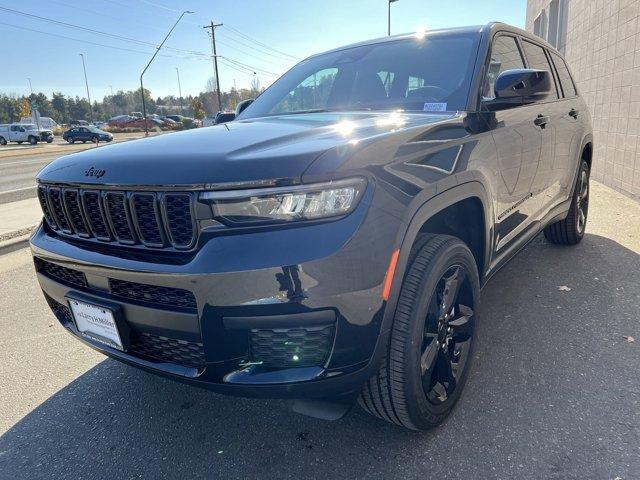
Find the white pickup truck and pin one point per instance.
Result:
(19, 133)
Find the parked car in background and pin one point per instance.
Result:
(99, 124)
(175, 118)
(19, 133)
(46, 123)
(86, 134)
(79, 123)
(224, 117)
(46, 135)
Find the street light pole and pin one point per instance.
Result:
(86, 82)
(180, 92)
(389, 16)
(144, 106)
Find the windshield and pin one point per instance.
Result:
(432, 73)
(94, 129)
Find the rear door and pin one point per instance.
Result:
(548, 180)
(518, 143)
(571, 117)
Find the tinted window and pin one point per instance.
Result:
(505, 55)
(566, 82)
(537, 58)
(402, 74)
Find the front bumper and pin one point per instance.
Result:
(261, 302)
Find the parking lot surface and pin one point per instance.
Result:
(554, 392)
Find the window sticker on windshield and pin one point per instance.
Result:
(435, 107)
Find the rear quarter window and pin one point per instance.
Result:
(566, 82)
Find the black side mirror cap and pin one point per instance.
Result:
(519, 87)
(242, 106)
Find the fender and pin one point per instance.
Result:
(406, 239)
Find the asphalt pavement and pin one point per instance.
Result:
(554, 392)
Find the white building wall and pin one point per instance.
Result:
(602, 46)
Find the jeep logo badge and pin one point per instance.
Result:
(94, 172)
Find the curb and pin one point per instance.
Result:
(17, 243)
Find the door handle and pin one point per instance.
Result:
(541, 121)
(574, 113)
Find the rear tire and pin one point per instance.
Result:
(570, 231)
(431, 344)
(32, 140)
(2, 141)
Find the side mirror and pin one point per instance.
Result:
(519, 87)
(242, 106)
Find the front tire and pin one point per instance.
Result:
(431, 342)
(33, 140)
(570, 231)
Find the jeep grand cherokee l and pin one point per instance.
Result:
(329, 245)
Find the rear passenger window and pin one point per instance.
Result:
(505, 55)
(537, 59)
(566, 81)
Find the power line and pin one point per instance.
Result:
(238, 32)
(250, 67)
(98, 32)
(88, 42)
(262, 50)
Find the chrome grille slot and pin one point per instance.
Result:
(146, 213)
(158, 220)
(118, 216)
(95, 215)
(57, 209)
(74, 212)
(179, 218)
(46, 210)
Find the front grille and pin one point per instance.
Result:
(180, 352)
(62, 274)
(165, 349)
(166, 296)
(152, 219)
(291, 347)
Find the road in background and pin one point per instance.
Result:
(554, 392)
(19, 164)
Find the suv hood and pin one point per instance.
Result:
(245, 152)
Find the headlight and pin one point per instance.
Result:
(286, 204)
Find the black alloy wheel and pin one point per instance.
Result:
(570, 230)
(448, 329)
(431, 340)
(582, 200)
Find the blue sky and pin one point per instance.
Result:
(290, 28)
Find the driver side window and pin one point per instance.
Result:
(505, 55)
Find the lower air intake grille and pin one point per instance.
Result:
(166, 296)
(291, 347)
(180, 352)
(62, 312)
(164, 349)
(62, 274)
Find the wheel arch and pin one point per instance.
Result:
(431, 217)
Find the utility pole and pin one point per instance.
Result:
(144, 105)
(86, 82)
(215, 59)
(180, 92)
(389, 17)
(30, 87)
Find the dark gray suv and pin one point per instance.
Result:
(329, 245)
